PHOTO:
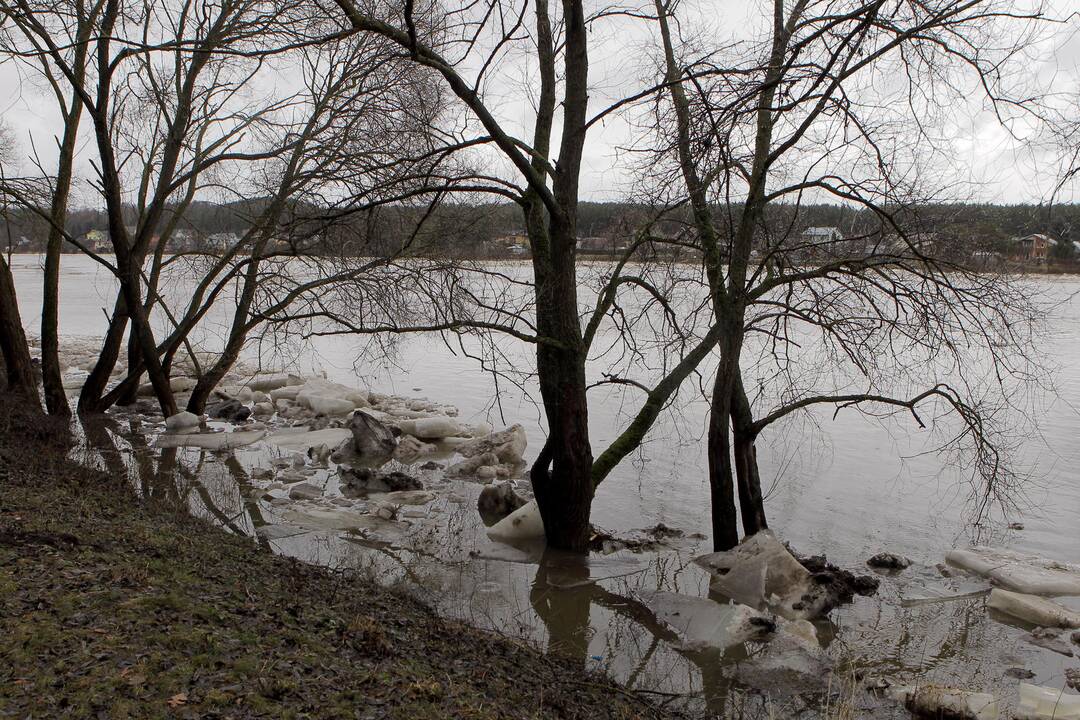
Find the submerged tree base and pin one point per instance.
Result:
(130, 608)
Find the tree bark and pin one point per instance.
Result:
(562, 474)
(725, 529)
(51, 375)
(747, 477)
(94, 387)
(18, 368)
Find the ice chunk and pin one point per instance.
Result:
(1043, 703)
(322, 405)
(760, 571)
(431, 428)
(330, 398)
(1034, 609)
(287, 392)
(266, 383)
(1018, 571)
(301, 440)
(182, 384)
(507, 445)
(211, 441)
(305, 491)
(524, 523)
(940, 701)
(704, 624)
(182, 421)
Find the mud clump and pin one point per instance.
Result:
(843, 585)
(363, 480)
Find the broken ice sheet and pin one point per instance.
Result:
(704, 624)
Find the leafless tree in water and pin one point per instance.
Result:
(841, 101)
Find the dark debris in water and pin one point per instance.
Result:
(652, 539)
(844, 583)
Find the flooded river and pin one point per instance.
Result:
(847, 487)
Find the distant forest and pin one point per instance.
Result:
(467, 230)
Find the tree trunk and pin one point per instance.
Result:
(94, 387)
(18, 368)
(129, 391)
(51, 374)
(562, 473)
(210, 379)
(144, 335)
(748, 479)
(725, 528)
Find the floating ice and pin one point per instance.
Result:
(1043, 703)
(704, 624)
(301, 440)
(211, 441)
(182, 421)
(1034, 609)
(1017, 571)
(524, 523)
(946, 702)
(760, 571)
(430, 428)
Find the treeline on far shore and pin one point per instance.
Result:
(494, 229)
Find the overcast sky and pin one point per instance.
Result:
(995, 164)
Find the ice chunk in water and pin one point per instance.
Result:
(939, 701)
(704, 624)
(211, 441)
(301, 440)
(1017, 571)
(524, 523)
(1043, 703)
(1034, 609)
(760, 571)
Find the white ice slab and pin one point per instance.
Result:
(1018, 571)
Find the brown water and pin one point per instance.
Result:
(846, 487)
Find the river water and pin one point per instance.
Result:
(846, 486)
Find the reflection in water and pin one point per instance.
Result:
(561, 596)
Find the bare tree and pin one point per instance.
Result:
(463, 45)
(802, 116)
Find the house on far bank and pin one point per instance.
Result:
(1032, 248)
(515, 243)
(822, 235)
(97, 241)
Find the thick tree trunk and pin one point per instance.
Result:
(128, 392)
(725, 530)
(209, 380)
(748, 479)
(18, 368)
(562, 473)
